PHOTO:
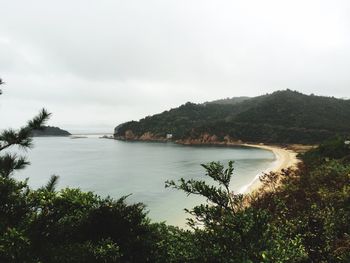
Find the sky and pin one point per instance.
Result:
(96, 64)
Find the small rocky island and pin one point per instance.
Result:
(50, 131)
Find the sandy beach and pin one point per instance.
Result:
(285, 158)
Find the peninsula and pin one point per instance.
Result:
(283, 117)
(50, 131)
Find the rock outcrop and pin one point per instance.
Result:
(147, 136)
(203, 139)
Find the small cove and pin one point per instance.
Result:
(116, 168)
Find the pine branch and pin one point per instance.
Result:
(51, 184)
(214, 194)
(10, 137)
(23, 138)
(1, 83)
(39, 121)
(11, 162)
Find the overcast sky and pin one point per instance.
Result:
(95, 64)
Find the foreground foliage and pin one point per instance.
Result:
(304, 219)
(46, 225)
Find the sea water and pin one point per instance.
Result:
(116, 168)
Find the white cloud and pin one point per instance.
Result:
(98, 63)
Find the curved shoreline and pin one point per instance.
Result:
(285, 158)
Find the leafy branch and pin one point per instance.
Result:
(221, 199)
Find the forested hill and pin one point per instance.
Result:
(281, 117)
(50, 131)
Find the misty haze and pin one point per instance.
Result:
(174, 131)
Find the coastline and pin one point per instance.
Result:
(285, 158)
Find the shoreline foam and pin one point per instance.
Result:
(285, 158)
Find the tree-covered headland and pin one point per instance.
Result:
(281, 117)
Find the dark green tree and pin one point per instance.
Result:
(13, 207)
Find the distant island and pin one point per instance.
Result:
(50, 131)
(283, 117)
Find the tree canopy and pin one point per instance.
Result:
(281, 117)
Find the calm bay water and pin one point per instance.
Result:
(115, 168)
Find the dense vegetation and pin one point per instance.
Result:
(280, 117)
(302, 216)
(50, 131)
(306, 219)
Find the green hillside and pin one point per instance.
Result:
(281, 117)
(231, 101)
(50, 131)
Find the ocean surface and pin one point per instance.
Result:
(116, 168)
